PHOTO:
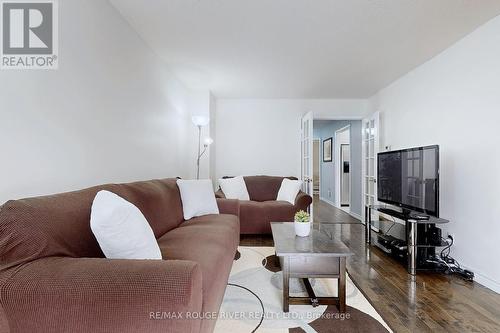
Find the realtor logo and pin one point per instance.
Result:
(29, 34)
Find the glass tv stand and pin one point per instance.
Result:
(414, 227)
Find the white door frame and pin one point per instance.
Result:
(306, 143)
(336, 165)
(366, 155)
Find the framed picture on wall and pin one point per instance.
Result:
(327, 150)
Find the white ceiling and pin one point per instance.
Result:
(300, 48)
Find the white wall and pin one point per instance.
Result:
(213, 134)
(262, 136)
(111, 113)
(454, 101)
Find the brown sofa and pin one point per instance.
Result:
(54, 277)
(257, 214)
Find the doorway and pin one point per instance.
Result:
(342, 168)
(331, 133)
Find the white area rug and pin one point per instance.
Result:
(254, 279)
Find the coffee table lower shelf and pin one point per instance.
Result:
(315, 256)
(293, 269)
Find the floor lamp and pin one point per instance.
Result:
(200, 121)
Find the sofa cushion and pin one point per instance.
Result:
(289, 190)
(264, 188)
(59, 225)
(197, 197)
(278, 210)
(255, 217)
(121, 229)
(159, 200)
(234, 188)
(211, 241)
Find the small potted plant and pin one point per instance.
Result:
(302, 224)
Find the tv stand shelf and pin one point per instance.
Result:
(414, 246)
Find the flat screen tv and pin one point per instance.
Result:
(409, 178)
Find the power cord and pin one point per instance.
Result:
(261, 304)
(449, 264)
(445, 261)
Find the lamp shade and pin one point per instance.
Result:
(200, 120)
(208, 141)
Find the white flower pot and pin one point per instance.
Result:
(302, 229)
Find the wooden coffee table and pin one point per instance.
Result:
(315, 256)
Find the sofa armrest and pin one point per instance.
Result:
(103, 295)
(220, 194)
(302, 201)
(229, 206)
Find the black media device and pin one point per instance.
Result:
(409, 179)
(434, 235)
(419, 217)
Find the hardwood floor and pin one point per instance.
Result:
(428, 303)
(326, 213)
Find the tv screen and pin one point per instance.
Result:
(409, 178)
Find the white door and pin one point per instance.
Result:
(370, 150)
(307, 156)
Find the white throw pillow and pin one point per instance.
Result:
(121, 229)
(289, 190)
(234, 188)
(198, 198)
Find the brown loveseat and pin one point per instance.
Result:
(257, 214)
(54, 277)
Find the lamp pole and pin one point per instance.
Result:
(200, 121)
(199, 153)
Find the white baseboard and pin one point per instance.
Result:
(327, 201)
(356, 216)
(483, 279)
